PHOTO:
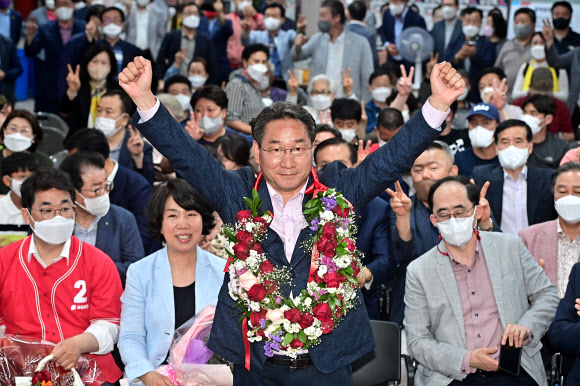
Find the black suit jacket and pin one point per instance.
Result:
(540, 199)
(438, 33)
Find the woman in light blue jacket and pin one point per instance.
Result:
(167, 288)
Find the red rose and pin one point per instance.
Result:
(244, 237)
(270, 286)
(341, 212)
(296, 343)
(257, 293)
(267, 267)
(327, 246)
(242, 252)
(350, 245)
(329, 229)
(317, 278)
(333, 280)
(293, 315)
(306, 320)
(338, 312)
(244, 215)
(256, 316)
(355, 268)
(322, 312)
(260, 220)
(258, 248)
(327, 327)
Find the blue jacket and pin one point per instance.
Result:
(367, 33)
(148, 311)
(540, 199)
(412, 19)
(10, 64)
(284, 43)
(483, 58)
(15, 25)
(438, 33)
(219, 37)
(564, 333)
(225, 189)
(126, 160)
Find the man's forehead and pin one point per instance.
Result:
(450, 194)
(285, 130)
(430, 156)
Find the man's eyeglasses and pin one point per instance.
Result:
(100, 191)
(461, 213)
(278, 152)
(48, 214)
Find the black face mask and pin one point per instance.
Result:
(561, 23)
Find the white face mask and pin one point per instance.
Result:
(142, 3)
(191, 21)
(321, 102)
(55, 231)
(243, 5)
(480, 137)
(197, 81)
(257, 71)
(448, 12)
(406, 115)
(183, 101)
(380, 94)
(271, 23)
(64, 13)
(463, 94)
(538, 52)
(470, 30)
(211, 125)
(264, 84)
(17, 142)
(513, 157)
(112, 30)
(107, 125)
(457, 231)
(568, 207)
(396, 9)
(348, 134)
(486, 94)
(98, 72)
(50, 4)
(97, 206)
(533, 122)
(15, 186)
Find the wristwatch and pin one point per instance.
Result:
(489, 229)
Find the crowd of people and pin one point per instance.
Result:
(466, 190)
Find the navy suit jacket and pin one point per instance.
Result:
(10, 64)
(484, 57)
(540, 199)
(225, 189)
(15, 25)
(412, 19)
(219, 38)
(438, 33)
(564, 332)
(367, 33)
(126, 160)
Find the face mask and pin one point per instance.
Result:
(538, 52)
(457, 231)
(533, 122)
(264, 84)
(243, 5)
(470, 30)
(271, 23)
(405, 114)
(348, 134)
(561, 23)
(486, 94)
(183, 101)
(55, 231)
(15, 186)
(448, 12)
(488, 31)
(480, 137)
(513, 157)
(380, 94)
(142, 3)
(97, 206)
(112, 30)
(321, 102)
(191, 21)
(257, 71)
(50, 4)
(324, 26)
(211, 125)
(17, 142)
(463, 94)
(197, 81)
(64, 13)
(568, 207)
(522, 30)
(107, 125)
(381, 142)
(396, 9)
(98, 73)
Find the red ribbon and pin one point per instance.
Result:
(246, 343)
(210, 14)
(316, 186)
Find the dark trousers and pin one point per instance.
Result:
(498, 379)
(276, 375)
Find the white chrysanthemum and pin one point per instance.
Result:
(287, 325)
(307, 302)
(341, 231)
(250, 227)
(343, 261)
(327, 215)
(322, 270)
(284, 308)
(331, 290)
(255, 306)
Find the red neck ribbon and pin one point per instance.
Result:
(313, 189)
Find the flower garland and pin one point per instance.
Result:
(290, 324)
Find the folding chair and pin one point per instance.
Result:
(52, 141)
(54, 121)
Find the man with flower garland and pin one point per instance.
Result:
(283, 138)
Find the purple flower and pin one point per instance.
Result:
(278, 300)
(314, 224)
(270, 347)
(328, 202)
(330, 265)
(276, 338)
(262, 323)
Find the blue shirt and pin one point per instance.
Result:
(5, 25)
(372, 111)
(467, 160)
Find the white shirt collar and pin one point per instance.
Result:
(111, 176)
(276, 196)
(64, 254)
(524, 172)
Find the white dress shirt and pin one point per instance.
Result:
(568, 255)
(514, 210)
(334, 62)
(142, 24)
(9, 212)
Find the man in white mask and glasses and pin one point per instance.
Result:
(54, 286)
(108, 227)
(490, 292)
(519, 194)
(555, 244)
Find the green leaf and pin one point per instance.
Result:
(287, 339)
(242, 318)
(324, 297)
(249, 202)
(331, 304)
(340, 251)
(311, 210)
(255, 195)
(341, 202)
(230, 234)
(351, 279)
(302, 336)
(349, 270)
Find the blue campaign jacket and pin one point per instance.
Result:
(225, 190)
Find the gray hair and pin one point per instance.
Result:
(279, 111)
(323, 77)
(440, 145)
(172, 104)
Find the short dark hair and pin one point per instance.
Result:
(472, 189)
(357, 10)
(470, 10)
(88, 141)
(567, 167)
(214, 93)
(508, 124)
(528, 11)
(543, 103)
(564, 4)
(499, 24)
(390, 118)
(381, 71)
(492, 70)
(19, 162)
(344, 108)
(126, 103)
(235, 148)
(276, 5)
(113, 8)
(43, 180)
(186, 197)
(76, 164)
(333, 142)
(199, 59)
(253, 48)
(92, 51)
(94, 10)
(329, 129)
(279, 111)
(36, 128)
(176, 79)
(336, 8)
